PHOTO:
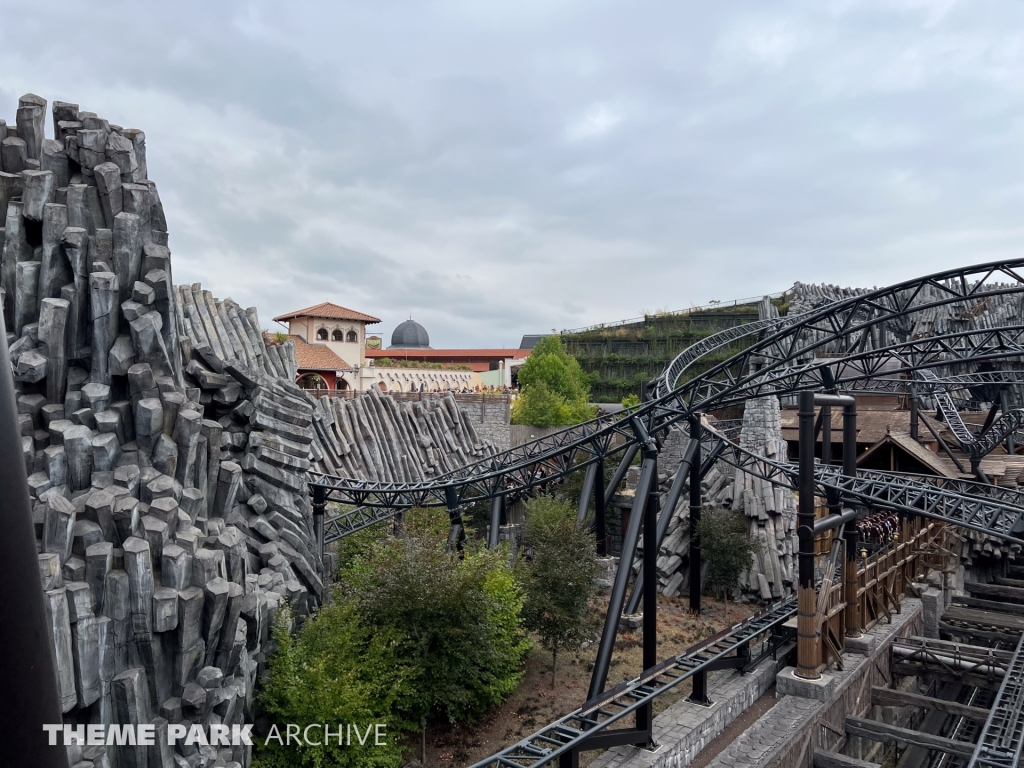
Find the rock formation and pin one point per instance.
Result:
(166, 446)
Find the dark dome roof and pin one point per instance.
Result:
(410, 335)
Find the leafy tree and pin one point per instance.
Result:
(334, 671)
(559, 579)
(456, 621)
(553, 388)
(726, 545)
(630, 400)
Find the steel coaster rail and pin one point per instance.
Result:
(553, 456)
(782, 362)
(1002, 737)
(589, 724)
(347, 523)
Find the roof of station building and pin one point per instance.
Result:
(329, 311)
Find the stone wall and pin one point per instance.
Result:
(382, 437)
(788, 734)
(165, 445)
(491, 417)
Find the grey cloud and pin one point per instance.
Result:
(497, 169)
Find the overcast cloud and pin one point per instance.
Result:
(495, 169)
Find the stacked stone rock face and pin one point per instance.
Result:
(166, 446)
(379, 438)
(771, 510)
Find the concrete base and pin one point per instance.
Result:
(631, 621)
(864, 645)
(787, 735)
(685, 728)
(787, 683)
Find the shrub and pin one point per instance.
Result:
(334, 671)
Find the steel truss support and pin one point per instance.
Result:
(589, 481)
(648, 474)
(647, 484)
(600, 521)
(807, 632)
(665, 517)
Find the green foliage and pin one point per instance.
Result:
(280, 338)
(388, 362)
(559, 578)
(456, 621)
(630, 400)
(553, 388)
(335, 671)
(726, 545)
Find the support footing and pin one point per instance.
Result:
(787, 683)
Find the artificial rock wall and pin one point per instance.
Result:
(165, 445)
(378, 437)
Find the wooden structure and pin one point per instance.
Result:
(881, 580)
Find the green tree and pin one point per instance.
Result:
(559, 578)
(457, 621)
(334, 671)
(726, 545)
(553, 388)
(630, 400)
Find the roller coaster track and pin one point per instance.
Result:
(782, 360)
(999, 745)
(975, 445)
(569, 732)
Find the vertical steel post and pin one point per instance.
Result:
(695, 506)
(492, 536)
(600, 523)
(664, 518)
(319, 509)
(851, 584)
(699, 691)
(826, 434)
(585, 493)
(27, 665)
(915, 417)
(648, 474)
(807, 635)
(645, 714)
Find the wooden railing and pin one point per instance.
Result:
(882, 580)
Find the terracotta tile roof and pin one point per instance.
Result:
(330, 311)
(452, 354)
(317, 357)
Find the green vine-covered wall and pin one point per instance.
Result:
(619, 359)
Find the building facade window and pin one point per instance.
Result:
(336, 335)
(352, 337)
(321, 334)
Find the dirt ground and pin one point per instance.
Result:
(536, 703)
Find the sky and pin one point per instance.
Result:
(499, 168)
